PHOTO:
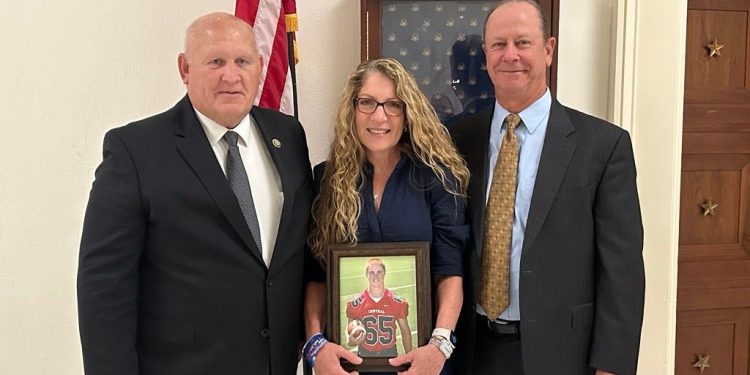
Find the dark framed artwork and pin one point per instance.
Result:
(379, 300)
(440, 42)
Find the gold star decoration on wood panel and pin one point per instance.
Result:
(714, 48)
(709, 208)
(702, 362)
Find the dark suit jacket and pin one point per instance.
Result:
(581, 279)
(170, 280)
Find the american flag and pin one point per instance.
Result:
(272, 20)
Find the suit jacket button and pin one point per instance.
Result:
(265, 332)
(269, 283)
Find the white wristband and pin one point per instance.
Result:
(443, 345)
(442, 332)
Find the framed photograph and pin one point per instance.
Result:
(379, 300)
(440, 42)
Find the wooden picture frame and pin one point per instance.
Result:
(439, 42)
(352, 272)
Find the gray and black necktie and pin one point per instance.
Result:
(237, 177)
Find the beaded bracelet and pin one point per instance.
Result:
(312, 347)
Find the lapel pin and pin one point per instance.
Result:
(276, 143)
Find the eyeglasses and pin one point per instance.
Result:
(368, 106)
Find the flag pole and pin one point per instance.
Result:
(293, 69)
(291, 27)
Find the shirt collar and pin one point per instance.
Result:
(532, 116)
(214, 131)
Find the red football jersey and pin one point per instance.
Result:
(379, 318)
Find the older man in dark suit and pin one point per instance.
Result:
(557, 283)
(192, 252)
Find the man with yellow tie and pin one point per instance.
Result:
(557, 278)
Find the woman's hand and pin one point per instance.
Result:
(427, 360)
(328, 360)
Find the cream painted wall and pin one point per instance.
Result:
(72, 70)
(583, 53)
(329, 51)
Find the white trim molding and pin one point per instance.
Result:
(647, 100)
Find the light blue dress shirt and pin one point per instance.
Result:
(531, 139)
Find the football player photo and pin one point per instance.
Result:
(378, 317)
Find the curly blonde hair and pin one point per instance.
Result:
(338, 205)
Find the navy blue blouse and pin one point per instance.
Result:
(414, 207)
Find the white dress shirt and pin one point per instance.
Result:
(264, 179)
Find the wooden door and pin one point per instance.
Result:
(713, 298)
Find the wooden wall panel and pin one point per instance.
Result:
(716, 143)
(713, 287)
(716, 118)
(720, 188)
(728, 28)
(719, 334)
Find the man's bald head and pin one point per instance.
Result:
(221, 67)
(205, 25)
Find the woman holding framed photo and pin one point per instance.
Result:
(392, 175)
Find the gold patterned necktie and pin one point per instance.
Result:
(498, 224)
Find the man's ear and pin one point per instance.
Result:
(549, 49)
(183, 66)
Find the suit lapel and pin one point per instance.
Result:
(274, 139)
(556, 155)
(193, 145)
